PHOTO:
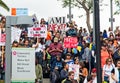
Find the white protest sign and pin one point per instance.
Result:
(15, 34)
(58, 23)
(43, 32)
(37, 32)
(23, 65)
(75, 69)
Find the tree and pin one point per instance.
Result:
(2, 4)
(87, 5)
(117, 2)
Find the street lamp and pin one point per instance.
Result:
(70, 16)
(97, 40)
(111, 12)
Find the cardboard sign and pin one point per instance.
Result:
(15, 34)
(70, 42)
(37, 32)
(75, 69)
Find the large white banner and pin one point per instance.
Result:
(15, 34)
(75, 69)
(23, 65)
(37, 32)
(57, 23)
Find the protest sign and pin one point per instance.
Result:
(75, 69)
(2, 38)
(56, 23)
(23, 65)
(70, 42)
(15, 34)
(37, 32)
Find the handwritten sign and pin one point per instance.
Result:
(37, 32)
(75, 69)
(56, 23)
(70, 42)
(2, 38)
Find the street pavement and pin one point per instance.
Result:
(46, 80)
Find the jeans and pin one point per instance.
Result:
(39, 55)
(106, 78)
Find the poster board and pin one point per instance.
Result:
(70, 42)
(37, 32)
(75, 69)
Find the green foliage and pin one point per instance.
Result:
(117, 2)
(2, 4)
(78, 3)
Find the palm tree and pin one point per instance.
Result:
(2, 4)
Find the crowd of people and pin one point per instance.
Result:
(53, 60)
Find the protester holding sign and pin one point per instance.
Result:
(39, 49)
(72, 31)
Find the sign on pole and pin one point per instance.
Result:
(19, 11)
(23, 65)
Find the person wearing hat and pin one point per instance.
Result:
(94, 75)
(55, 49)
(91, 78)
(69, 59)
(71, 31)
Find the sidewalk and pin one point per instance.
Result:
(45, 80)
(1, 81)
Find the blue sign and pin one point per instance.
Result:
(21, 11)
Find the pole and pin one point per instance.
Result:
(97, 40)
(111, 12)
(8, 52)
(70, 15)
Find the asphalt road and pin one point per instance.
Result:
(46, 80)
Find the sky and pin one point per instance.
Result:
(53, 8)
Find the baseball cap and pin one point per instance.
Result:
(68, 54)
(94, 70)
(55, 39)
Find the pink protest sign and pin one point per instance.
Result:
(70, 42)
(2, 38)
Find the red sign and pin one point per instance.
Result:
(70, 42)
(56, 26)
